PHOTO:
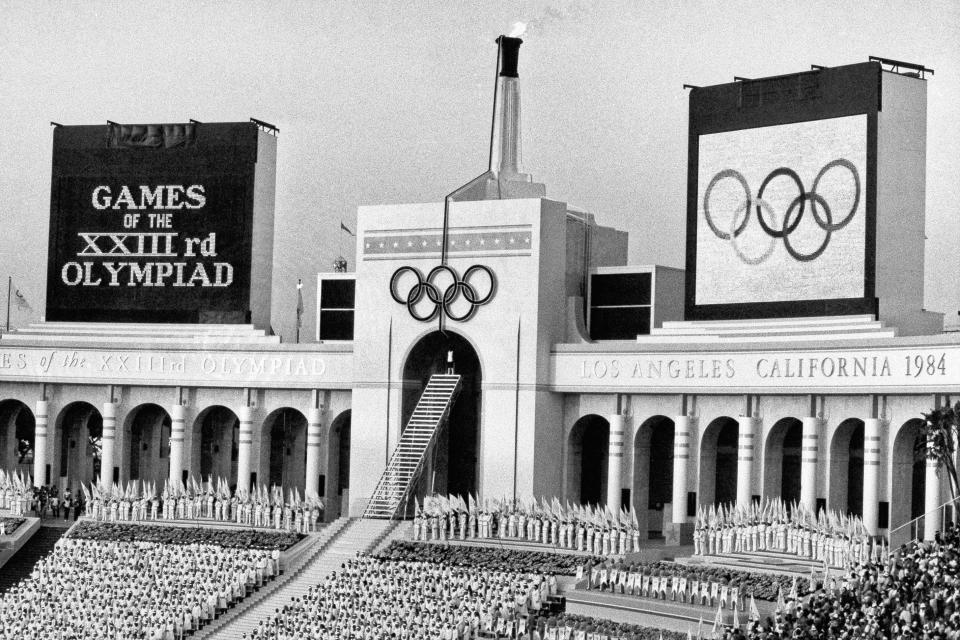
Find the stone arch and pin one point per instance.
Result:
(17, 437)
(283, 449)
(147, 443)
(781, 460)
(79, 434)
(588, 445)
(455, 461)
(846, 467)
(215, 445)
(718, 462)
(653, 483)
(336, 486)
(908, 474)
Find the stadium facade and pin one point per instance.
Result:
(791, 358)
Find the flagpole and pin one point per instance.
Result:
(9, 286)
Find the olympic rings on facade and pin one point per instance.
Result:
(426, 287)
(819, 208)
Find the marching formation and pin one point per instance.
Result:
(584, 528)
(835, 540)
(16, 492)
(89, 589)
(262, 507)
(373, 598)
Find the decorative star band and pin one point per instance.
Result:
(429, 242)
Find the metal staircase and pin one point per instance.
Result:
(407, 460)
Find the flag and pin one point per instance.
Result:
(343, 227)
(754, 611)
(813, 580)
(299, 303)
(718, 621)
(700, 627)
(22, 304)
(736, 617)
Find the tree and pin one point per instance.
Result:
(938, 439)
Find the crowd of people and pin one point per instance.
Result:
(16, 493)
(260, 507)
(158, 586)
(374, 597)
(583, 528)
(829, 538)
(542, 562)
(703, 585)
(184, 536)
(913, 593)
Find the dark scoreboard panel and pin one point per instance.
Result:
(152, 224)
(781, 195)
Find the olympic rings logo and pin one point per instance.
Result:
(820, 209)
(442, 302)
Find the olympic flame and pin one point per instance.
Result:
(519, 28)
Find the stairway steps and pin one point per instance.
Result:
(406, 460)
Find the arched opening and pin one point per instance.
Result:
(454, 463)
(284, 449)
(216, 438)
(588, 446)
(846, 468)
(80, 430)
(147, 444)
(781, 460)
(909, 474)
(653, 474)
(718, 462)
(17, 438)
(335, 489)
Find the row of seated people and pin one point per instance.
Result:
(374, 598)
(97, 585)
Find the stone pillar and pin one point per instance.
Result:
(615, 461)
(681, 458)
(745, 451)
(931, 502)
(107, 444)
(314, 438)
(177, 432)
(809, 455)
(244, 448)
(40, 443)
(871, 475)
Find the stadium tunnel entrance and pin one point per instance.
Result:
(147, 440)
(79, 434)
(215, 445)
(283, 450)
(17, 437)
(452, 469)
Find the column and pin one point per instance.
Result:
(177, 432)
(40, 443)
(681, 457)
(245, 444)
(107, 444)
(871, 475)
(615, 462)
(931, 502)
(747, 428)
(314, 436)
(809, 454)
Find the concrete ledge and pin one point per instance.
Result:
(9, 545)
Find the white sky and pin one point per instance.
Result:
(390, 102)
